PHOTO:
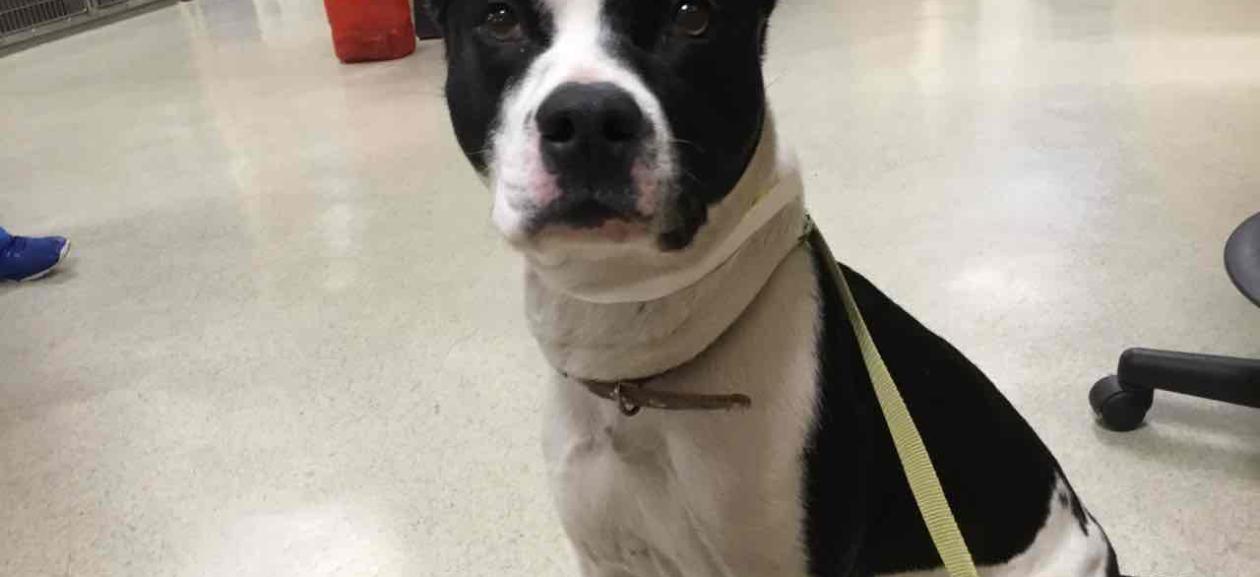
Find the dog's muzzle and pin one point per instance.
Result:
(590, 136)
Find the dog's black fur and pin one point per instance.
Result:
(994, 469)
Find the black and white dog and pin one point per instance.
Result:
(635, 165)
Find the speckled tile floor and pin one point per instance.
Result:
(289, 344)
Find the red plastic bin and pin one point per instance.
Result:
(365, 30)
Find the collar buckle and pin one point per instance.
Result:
(628, 407)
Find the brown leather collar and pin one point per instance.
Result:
(633, 396)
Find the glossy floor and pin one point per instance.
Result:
(289, 344)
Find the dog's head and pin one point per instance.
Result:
(613, 124)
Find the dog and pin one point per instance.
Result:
(710, 413)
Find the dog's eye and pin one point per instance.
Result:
(691, 18)
(502, 23)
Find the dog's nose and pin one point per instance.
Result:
(590, 131)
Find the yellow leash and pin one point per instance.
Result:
(925, 485)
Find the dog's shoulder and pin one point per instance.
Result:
(1001, 480)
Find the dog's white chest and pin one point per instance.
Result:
(624, 503)
(696, 493)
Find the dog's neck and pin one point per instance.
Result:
(634, 329)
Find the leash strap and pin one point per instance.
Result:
(916, 463)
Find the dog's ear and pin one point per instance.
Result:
(765, 24)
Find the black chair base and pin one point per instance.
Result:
(1121, 400)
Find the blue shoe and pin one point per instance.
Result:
(26, 258)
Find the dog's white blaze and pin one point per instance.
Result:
(578, 53)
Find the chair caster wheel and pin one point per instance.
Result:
(1118, 408)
